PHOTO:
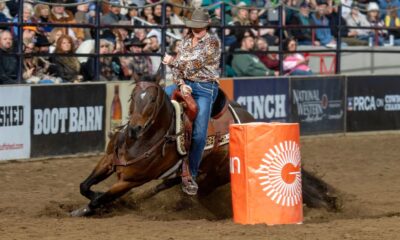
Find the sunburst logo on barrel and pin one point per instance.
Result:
(280, 174)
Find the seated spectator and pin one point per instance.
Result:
(241, 18)
(302, 18)
(59, 14)
(29, 66)
(294, 63)
(5, 11)
(41, 15)
(26, 17)
(54, 35)
(384, 4)
(148, 15)
(269, 61)
(393, 21)
(141, 65)
(133, 13)
(247, 64)
(81, 16)
(323, 35)
(8, 63)
(374, 21)
(29, 33)
(66, 67)
(109, 69)
(333, 18)
(153, 46)
(172, 19)
(114, 16)
(267, 33)
(357, 19)
(157, 13)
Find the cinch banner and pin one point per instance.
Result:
(267, 99)
(318, 104)
(373, 103)
(15, 122)
(67, 119)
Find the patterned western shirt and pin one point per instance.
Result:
(199, 63)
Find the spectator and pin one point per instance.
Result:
(346, 7)
(148, 15)
(81, 16)
(333, 18)
(384, 4)
(59, 14)
(41, 15)
(132, 14)
(66, 67)
(295, 63)
(157, 14)
(4, 19)
(8, 63)
(393, 21)
(153, 46)
(267, 33)
(109, 69)
(248, 64)
(26, 17)
(303, 18)
(375, 21)
(357, 19)
(323, 34)
(29, 33)
(114, 16)
(173, 19)
(29, 66)
(141, 65)
(4, 10)
(241, 19)
(55, 34)
(268, 60)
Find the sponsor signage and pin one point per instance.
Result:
(373, 103)
(67, 119)
(318, 104)
(14, 122)
(266, 99)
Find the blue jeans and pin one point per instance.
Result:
(204, 93)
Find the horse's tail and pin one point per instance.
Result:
(319, 194)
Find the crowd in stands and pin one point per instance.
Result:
(117, 38)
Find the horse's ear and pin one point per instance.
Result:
(158, 77)
(136, 77)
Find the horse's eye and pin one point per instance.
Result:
(153, 99)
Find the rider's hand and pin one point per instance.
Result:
(167, 59)
(185, 89)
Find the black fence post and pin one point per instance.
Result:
(339, 41)
(20, 43)
(223, 56)
(97, 41)
(280, 9)
(163, 35)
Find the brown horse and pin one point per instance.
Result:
(146, 149)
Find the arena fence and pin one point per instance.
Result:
(279, 26)
(64, 119)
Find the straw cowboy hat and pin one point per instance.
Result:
(200, 19)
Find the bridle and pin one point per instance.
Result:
(143, 86)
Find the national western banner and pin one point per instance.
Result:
(267, 99)
(67, 119)
(14, 122)
(317, 103)
(373, 103)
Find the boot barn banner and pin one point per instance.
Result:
(67, 119)
(373, 103)
(267, 99)
(318, 104)
(15, 122)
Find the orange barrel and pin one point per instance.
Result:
(266, 173)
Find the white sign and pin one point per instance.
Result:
(15, 106)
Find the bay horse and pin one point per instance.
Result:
(146, 148)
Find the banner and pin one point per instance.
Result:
(373, 103)
(317, 103)
(15, 122)
(67, 119)
(266, 99)
(117, 104)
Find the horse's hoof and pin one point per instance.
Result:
(82, 212)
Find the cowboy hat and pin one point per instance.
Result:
(134, 42)
(200, 19)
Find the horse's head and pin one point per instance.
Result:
(146, 101)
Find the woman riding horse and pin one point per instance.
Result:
(196, 71)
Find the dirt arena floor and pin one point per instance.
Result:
(36, 197)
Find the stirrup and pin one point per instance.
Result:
(189, 186)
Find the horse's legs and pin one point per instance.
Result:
(102, 171)
(116, 191)
(166, 184)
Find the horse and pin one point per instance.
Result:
(145, 149)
